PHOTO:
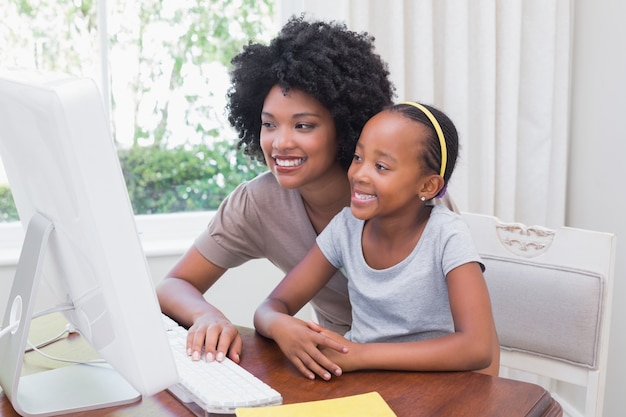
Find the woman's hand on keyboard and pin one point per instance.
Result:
(217, 335)
(301, 343)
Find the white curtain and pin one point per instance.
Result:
(501, 70)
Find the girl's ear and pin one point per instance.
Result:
(431, 186)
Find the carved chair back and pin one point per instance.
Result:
(551, 294)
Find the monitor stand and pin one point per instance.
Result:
(62, 390)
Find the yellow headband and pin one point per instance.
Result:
(442, 140)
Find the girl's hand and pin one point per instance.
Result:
(346, 360)
(302, 342)
(217, 335)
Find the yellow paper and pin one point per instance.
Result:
(370, 404)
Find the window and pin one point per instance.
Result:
(162, 67)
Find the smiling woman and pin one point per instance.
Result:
(298, 104)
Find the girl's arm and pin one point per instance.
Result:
(473, 345)
(300, 343)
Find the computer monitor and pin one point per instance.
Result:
(81, 249)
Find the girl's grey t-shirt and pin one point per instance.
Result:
(408, 301)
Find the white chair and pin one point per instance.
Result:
(551, 294)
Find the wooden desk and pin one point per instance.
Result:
(409, 394)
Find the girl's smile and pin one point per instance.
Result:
(386, 172)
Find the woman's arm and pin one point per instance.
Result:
(299, 342)
(181, 297)
(470, 347)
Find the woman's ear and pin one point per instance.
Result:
(431, 186)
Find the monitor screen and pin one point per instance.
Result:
(81, 245)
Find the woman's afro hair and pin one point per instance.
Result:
(336, 66)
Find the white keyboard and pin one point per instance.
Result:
(214, 387)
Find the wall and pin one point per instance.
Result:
(257, 277)
(596, 200)
(239, 291)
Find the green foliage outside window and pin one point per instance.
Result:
(168, 62)
(172, 180)
(183, 178)
(8, 212)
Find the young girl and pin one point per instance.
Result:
(419, 299)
